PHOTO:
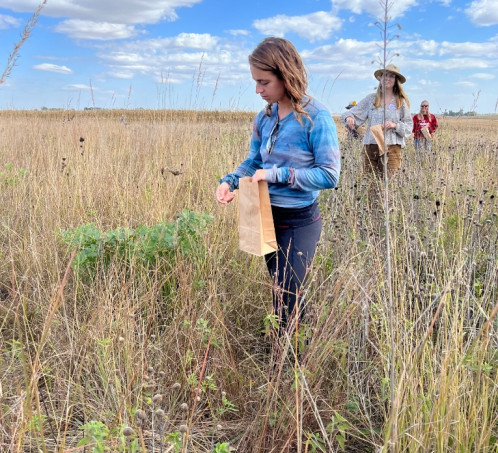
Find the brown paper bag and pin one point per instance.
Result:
(378, 134)
(426, 133)
(256, 229)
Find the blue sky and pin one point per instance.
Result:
(193, 53)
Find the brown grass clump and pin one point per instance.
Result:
(182, 357)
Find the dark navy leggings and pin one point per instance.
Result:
(297, 231)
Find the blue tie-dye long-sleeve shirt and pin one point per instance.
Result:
(304, 160)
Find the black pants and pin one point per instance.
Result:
(297, 232)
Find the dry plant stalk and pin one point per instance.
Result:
(13, 57)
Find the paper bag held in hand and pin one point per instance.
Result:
(256, 229)
(378, 134)
(425, 131)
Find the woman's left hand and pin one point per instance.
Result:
(389, 125)
(260, 175)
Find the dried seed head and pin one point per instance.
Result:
(219, 427)
(176, 386)
(150, 370)
(121, 339)
(140, 414)
(157, 398)
(159, 413)
(184, 407)
(127, 431)
(162, 373)
(183, 428)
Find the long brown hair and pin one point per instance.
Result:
(280, 57)
(398, 91)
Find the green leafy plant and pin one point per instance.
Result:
(222, 448)
(227, 406)
(11, 176)
(315, 443)
(338, 427)
(270, 322)
(175, 441)
(96, 436)
(144, 246)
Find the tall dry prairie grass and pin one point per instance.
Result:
(181, 357)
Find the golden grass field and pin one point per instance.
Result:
(176, 355)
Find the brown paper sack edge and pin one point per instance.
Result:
(426, 133)
(378, 134)
(256, 230)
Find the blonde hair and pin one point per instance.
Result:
(420, 114)
(398, 91)
(280, 57)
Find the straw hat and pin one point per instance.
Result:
(393, 69)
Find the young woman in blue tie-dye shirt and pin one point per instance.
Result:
(294, 148)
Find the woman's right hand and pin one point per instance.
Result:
(223, 194)
(350, 122)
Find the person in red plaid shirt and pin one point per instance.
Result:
(424, 119)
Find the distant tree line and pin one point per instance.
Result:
(59, 108)
(459, 113)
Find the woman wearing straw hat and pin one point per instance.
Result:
(390, 108)
(424, 126)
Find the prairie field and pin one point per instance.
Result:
(130, 321)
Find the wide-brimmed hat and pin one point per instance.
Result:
(393, 69)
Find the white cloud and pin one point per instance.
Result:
(120, 75)
(78, 87)
(342, 49)
(313, 27)
(192, 41)
(483, 76)
(450, 64)
(53, 68)
(466, 84)
(177, 58)
(374, 7)
(124, 12)
(483, 12)
(470, 49)
(427, 83)
(428, 47)
(102, 31)
(238, 32)
(184, 41)
(8, 22)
